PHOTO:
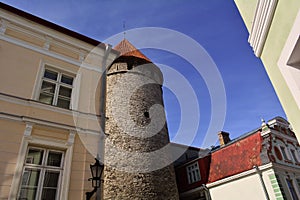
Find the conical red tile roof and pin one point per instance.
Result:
(127, 49)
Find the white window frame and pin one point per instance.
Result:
(43, 168)
(57, 83)
(284, 152)
(193, 173)
(34, 141)
(292, 182)
(294, 154)
(76, 84)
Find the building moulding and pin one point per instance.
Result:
(263, 17)
(36, 121)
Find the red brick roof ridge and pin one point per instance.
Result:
(128, 49)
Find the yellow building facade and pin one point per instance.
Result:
(49, 107)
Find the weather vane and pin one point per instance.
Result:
(124, 26)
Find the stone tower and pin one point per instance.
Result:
(137, 164)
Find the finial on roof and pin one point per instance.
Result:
(264, 125)
(263, 122)
(124, 28)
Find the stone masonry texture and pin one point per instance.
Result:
(137, 164)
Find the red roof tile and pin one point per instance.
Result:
(127, 49)
(235, 158)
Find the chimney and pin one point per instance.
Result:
(223, 138)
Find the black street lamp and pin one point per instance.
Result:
(96, 170)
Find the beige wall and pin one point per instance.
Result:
(11, 135)
(10, 141)
(24, 49)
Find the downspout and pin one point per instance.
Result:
(102, 110)
(103, 97)
(257, 170)
(206, 192)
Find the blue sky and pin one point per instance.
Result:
(215, 24)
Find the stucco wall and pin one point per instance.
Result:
(247, 11)
(23, 53)
(248, 188)
(283, 20)
(244, 186)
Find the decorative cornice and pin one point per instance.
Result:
(71, 138)
(47, 43)
(50, 53)
(28, 129)
(30, 120)
(3, 26)
(261, 24)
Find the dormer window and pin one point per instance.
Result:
(193, 173)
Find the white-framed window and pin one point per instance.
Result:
(56, 88)
(193, 173)
(291, 188)
(284, 154)
(294, 155)
(42, 174)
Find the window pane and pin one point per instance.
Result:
(48, 194)
(34, 156)
(50, 185)
(67, 79)
(294, 155)
(27, 194)
(63, 103)
(54, 159)
(50, 74)
(45, 98)
(292, 189)
(64, 91)
(283, 153)
(30, 177)
(51, 179)
(30, 180)
(48, 87)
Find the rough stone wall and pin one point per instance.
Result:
(137, 166)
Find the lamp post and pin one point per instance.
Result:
(96, 170)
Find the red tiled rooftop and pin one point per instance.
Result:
(127, 49)
(235, 158)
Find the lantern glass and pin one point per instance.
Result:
(96, 170)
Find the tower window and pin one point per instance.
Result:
(129, 66)
(146, 114)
